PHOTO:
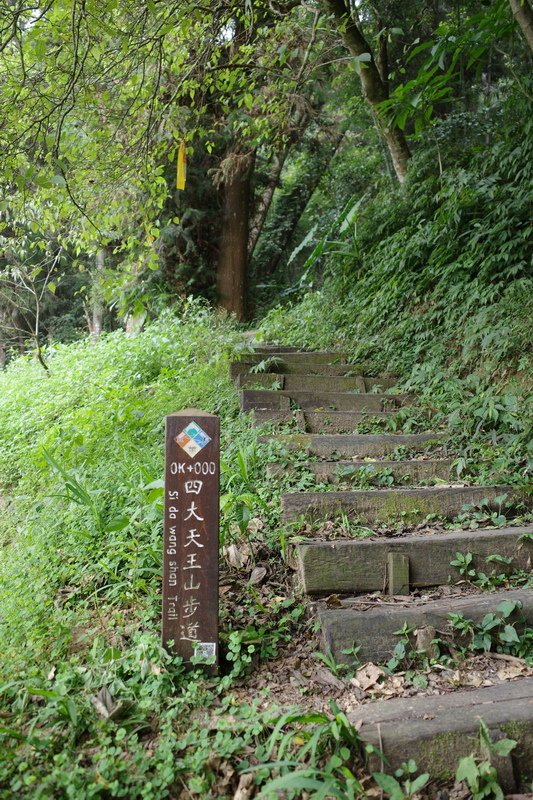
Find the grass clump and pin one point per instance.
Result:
(91, 705)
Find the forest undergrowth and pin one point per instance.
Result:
(435, 285)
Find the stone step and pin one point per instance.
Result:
(282, 348)
(437, 731)
(313, 383)
(382, 506)
(372, 625)
(319, 421)
(413, 471)
(364, 445)
(239, 368)
(280, 400)
(348, 566)
(294, 361)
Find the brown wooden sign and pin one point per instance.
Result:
(190, 562)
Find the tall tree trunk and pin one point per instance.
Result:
(523, 14)
(375, 88)
(233, 256)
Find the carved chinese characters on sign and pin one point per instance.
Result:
(190, 573)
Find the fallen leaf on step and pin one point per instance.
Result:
(327, 678)
(333, 601)
(460, 678)
(510, 671)
(367, 676)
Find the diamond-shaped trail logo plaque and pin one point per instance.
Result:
(192, 439)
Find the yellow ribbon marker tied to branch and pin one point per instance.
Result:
(182, 167)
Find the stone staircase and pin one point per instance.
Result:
(362, 591)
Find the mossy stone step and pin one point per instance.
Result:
(319, 421)
(313, 383)
(377, 506)
(269, 347)
(238, 368)
(437, 731)
(281, 400)
(348, 566)
(374, 629)
(347, 445)
(295, 361)
(414, 470)
(278, 348)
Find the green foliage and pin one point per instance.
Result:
(315, 753)
(503, 631)
(478, 773)
(402, 786)
(508, 578)
(91, 704)
(437, 289)
(80, 449)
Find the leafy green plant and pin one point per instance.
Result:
(497, 631)
(240, 500)
(478, 773)
(401, 786)
(270, 364)
(475, 515)
(492, 580)
(316, 753)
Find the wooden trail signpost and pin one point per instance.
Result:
(190, 555)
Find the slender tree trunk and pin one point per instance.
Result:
(523, 14)
(265, 202)
(375, 88)
(135, 324)
(233, 256)
(94, 314)
(98, 306)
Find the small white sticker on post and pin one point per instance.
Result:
(205, 649)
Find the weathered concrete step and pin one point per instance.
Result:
(280, 400)
(388, 505)
(355, 444)
(437, 731)
(319, 421)
(280, 348)
(345, 566)
(238, 368)
(374, 630)
(313, 383)
(414, 470)
(294, 362)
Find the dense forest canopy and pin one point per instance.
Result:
(267, 98)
